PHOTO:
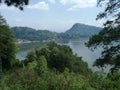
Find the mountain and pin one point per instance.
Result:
(81, 30)
(33, 34)
(75, 32)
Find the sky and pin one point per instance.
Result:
(53, 15)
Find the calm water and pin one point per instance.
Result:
(77, 47)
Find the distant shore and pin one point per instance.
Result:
(19, 41)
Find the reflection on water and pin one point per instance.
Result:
(78, 47)
(81, 50)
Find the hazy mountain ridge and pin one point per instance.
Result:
(82, 30)
(75, 32)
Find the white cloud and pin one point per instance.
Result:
(18, 20)
(65, 1)
(52, 1)
(76, 4)
(40, 5)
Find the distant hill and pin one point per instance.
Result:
(80, 30)
(33, 34)
(75, 32)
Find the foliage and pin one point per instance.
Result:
(26, 79)
(23, 79)
(54, 67)
(109, 82)
(111, 10)
(51, 67)
(17, 3)
(109, 37)
(41, 65)
(31, 56)
(7, 46)
(58, 57)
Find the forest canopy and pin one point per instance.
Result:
(8, 47)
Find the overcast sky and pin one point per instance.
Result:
(54, 15)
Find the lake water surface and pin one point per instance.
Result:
(78, 47)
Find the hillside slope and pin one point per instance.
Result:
(75, 32)
(33, 34)
(80, 30)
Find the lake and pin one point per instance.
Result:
(78, 47)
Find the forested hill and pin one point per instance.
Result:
(33, 34)
(80, 30)
(75, 32)
(83, 30)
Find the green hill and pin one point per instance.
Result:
(80, 30)
(75, 32)
(33, 34)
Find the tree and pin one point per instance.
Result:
(41, 65)
(109, 36)
(31, 56)
(7, 46)
(17, 3)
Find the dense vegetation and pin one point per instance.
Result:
(7, 46)
(77, 31)
(54, 67)
(58, 57)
